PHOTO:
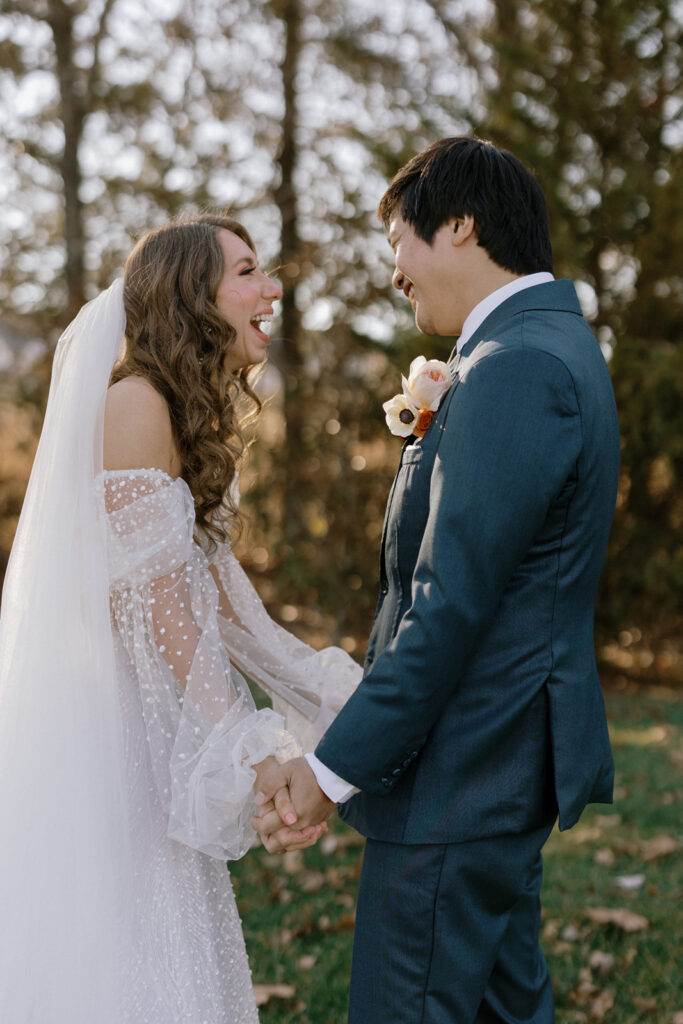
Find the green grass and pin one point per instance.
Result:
(298, 912)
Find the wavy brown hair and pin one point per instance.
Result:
(177, 340)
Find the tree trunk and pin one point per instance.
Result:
(72, 106)
(290, 249)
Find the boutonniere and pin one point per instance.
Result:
(412, 411)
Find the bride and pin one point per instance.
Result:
(129, 741)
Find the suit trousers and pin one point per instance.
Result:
(448, 934)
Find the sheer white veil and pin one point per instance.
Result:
(65, 865)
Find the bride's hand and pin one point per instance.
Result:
(284, 838)
(276, 837)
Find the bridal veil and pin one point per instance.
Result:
(67, 867)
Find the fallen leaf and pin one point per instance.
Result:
(344, 923)
(628, 959)
(292, 862)
(339, 840)
(306, 962)
(659, 846)
(602, 1004)
(311, 881)
(584, 834)
(585, 987)
(602, 962)
(645, 1005)
(570, 933)
(264, 993)
(607, 820)
(621, 845)
(624, 919)
(605, 857)
(630, 882)
(678, 1018)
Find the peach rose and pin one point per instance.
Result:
(428, 381)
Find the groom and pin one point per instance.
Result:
(479, 717)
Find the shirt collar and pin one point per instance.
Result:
(487, 305)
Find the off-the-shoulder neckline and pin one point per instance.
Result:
(140, 471)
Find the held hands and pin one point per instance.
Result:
(287, 795)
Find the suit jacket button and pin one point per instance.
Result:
(386, 782)
(396, 771)
(385, 587)
(407, 763)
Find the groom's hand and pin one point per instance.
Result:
(293, 789)
(276, 836)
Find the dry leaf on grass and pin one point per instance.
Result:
(306, 962)
(344, 923)
(311, 881)
(607, 820)
(264, 993)
(645, 1005)
(602, 1004)
(601, 962)
(337, 841)
(292, 861)
(622, 918)
(660, 846)
(605, 857)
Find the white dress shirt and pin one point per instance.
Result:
(494, 299)
(334, 787)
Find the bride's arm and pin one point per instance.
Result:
(204, 735)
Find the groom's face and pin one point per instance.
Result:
(427, 275)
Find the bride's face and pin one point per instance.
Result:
(245, 298)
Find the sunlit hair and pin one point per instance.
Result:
(177, 340)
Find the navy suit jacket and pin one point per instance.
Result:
(480, 711)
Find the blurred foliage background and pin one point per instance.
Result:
(115, 115)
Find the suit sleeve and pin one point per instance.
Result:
(511, 439)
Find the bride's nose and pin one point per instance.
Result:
(272, 290)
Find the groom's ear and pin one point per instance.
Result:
(462, 228)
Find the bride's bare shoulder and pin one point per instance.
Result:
(137, 428)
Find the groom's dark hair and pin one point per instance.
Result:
(464, 175)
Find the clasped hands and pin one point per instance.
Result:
(292, 808)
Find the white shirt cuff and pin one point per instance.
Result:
(334, 788)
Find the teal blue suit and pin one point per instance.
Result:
(480, 714)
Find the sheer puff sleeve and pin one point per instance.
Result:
(202, 730)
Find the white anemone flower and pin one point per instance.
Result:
(401, 415)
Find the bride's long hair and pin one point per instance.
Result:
(177, 339)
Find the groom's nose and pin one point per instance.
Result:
(398, 280)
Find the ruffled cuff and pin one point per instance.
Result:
(212, 799)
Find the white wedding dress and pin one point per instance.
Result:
(191, 733)
(127, 731)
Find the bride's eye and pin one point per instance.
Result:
(247, 270)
